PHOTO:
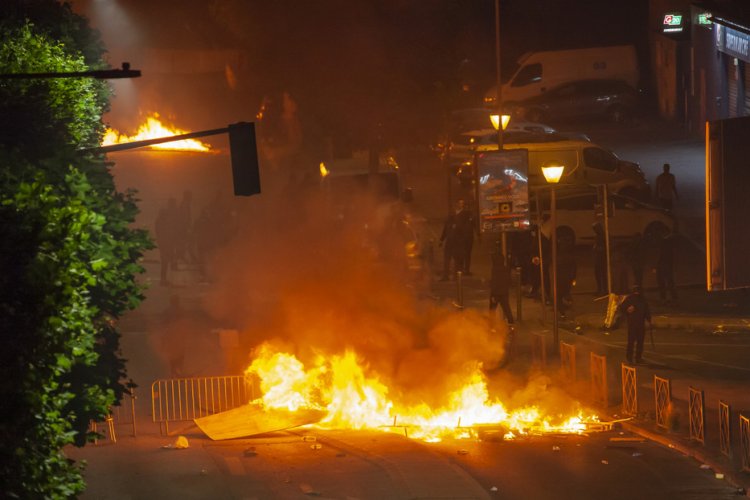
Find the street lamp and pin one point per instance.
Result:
(497, 119)
(552, 174)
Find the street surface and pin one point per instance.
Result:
(373, 465)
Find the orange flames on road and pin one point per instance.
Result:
(154, 129)
(354, 399)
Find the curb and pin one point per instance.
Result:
(731, 477)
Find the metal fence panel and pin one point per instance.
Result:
(183, 399)
(629, 391)
(697, 417)
(725, 436)
(598, 366)
(662, 393)
(568, 361)
(745, 442)
(538, 350)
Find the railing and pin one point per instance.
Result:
(629, 391)
(697, 417)
(745, 442)
(598, 366)
(568, 361)
(662, 396)
(725, 436)
(184, 399)
(538, 350)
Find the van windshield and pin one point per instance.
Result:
(531, 73)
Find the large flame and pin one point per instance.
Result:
(153, 128)
(354, 399)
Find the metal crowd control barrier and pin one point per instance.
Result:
(745, 442)
(598, 366)
(725, 436)
(629, 391)
(697, 417)
(174, 400)
(538, 350)
(568, 361)
(663, 399)
(93, 427)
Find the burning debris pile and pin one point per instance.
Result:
(347, 397)
(154, 128)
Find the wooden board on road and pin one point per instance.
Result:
(250, 420)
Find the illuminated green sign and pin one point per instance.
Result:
(704, 19)
(672, 23)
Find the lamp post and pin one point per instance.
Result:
(498, 95)
(500, 122)
(552, 174)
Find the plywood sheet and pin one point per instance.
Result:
(249, 420)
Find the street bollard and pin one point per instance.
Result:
(132, 408)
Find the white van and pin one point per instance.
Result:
(585, 163)
(541, 71)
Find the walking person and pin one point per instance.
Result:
(452, 243)
(636, 310)
(665, 267)
(566, 274)
(666, 188)
(500, 287)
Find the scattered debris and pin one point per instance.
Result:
(637, 454)
(316, 446)
(250, 452)
(181, 443)
(204, 472)
(705, 466)
(555, 448)
(628, 439)
(463, 452)
(494, 488)
(605, 462)
(309, 438)
(719, 475)
(340, 454)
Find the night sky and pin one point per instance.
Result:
(354, 64)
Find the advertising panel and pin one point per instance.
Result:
(503, 190)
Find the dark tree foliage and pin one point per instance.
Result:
(68, 256)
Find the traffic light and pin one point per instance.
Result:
(244, 152)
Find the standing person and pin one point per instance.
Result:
(450, 240)
(566, 273)
(167, 237)
(499, 287)
(665, 266)
(635, 256)
(666, 188)
(636, 309)
(600, 260)
(466, 229)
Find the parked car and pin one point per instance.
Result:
(611, 99)
(577, 210)
(463, 145)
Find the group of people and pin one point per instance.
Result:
(181, 238)
(629, 262)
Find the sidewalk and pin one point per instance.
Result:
(697, 313)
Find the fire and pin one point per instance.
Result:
(153, 129)
(352, 398)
